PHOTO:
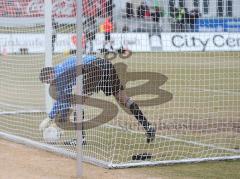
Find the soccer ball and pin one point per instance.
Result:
(52, 134)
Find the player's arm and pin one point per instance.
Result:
(61, 106)
(58, 108)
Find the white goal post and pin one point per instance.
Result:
(177, 60)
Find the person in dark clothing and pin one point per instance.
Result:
(54, 33)
(142, 10)
(182, 19)
(156, 15)
(193, 16)
(109, 9)
(129, 10)
(98, 75)
(90, 30)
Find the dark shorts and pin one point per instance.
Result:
(110, 83)
(107, 36)
(90, 36)
(105, 80)
(54, 38)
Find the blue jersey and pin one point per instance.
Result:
(65, 79)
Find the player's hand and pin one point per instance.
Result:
(44, 124)
(59, 129)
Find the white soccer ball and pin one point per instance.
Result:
(52, 134)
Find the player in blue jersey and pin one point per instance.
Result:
(101, 75)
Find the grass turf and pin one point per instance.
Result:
(200, 120)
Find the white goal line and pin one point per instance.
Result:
(180, 140)
(108, 125)
(23, 109)
(228, 92)
(71, 154)
(160, 136)
(50, 148)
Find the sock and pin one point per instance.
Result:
(75, 119)
(139, 115)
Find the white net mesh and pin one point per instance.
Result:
(178, 65)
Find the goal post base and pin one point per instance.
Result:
(107, 165)
(51, 148)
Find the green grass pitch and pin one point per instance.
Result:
(204, 108)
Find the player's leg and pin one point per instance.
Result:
(127, 102)
(73, 119)
(110, 84)
(73, 142)
(108, 41)
(53, 42)
(83, 131)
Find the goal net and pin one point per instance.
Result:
(179, 66)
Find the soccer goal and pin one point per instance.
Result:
(181, 67)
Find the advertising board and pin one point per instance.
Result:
(175, 42)
(35, 43)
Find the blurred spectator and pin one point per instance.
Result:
(90, 30)
(193, 16)
(181, 19)
(108, 28)
(109, 9)
(125, 29)
(54, 33)
(156, 15)
(129, 10)
(143, 11)
(172, 9)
